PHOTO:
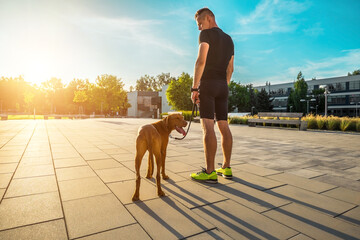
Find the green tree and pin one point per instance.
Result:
(299, 92)
(178, 94)
(355, 72)
(263, 101)
(80, 97)
(239, 97)
(150, 83)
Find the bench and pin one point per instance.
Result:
(276, 119)
(3, 117)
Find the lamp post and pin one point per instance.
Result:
(252, 111)
(307, 103)
(326, 92)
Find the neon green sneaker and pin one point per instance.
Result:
(225, 172)
(204, 177)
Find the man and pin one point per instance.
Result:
(213, 70)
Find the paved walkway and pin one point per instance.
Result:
(73, 179)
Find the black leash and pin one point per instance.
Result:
(192, 116)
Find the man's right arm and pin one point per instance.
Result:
(230, 69)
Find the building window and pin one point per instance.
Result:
(337, 99)
(354, 85)
(337, 87)
(355, 98)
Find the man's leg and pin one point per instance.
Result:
(226, 141)
(210, 143)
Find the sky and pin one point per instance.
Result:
(274, 39)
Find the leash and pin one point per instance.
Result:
(192, 116)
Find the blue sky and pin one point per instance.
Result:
(274, 40)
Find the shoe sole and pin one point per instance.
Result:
(206, 181)
(224, 176)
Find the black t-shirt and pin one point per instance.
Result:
(221, 48)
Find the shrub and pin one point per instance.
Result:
(312, 123)
(358, 125)
(344, 124)
(333, 123)
(320, 122)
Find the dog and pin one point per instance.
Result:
(154, 138)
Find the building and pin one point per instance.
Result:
(144, 104)
(343, 99)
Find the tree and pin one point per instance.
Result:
(150, 83)
(178, 93)
(355, 72)
(239, 97)
(264, 101)
(299, 92)
(80, 97)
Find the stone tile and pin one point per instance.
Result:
(107, 146)
(340, 181)
(28, 186)
(115, 174)
(36, 154)
(74, 173)
(69, 162)
(177, 166)
(255, 169)
(352, 216)
(115, 151)
(7, 167)
(300, 237)
(2, 192)
(123, 157)
(68, 154)
(213, 234)
(125, 190)
(312, 200)
(54, 230)
(34, 171)
(344, 194)
(16, 212)
(81, 188)
(128, 232)
(12, 159)
(255, 181)
(300, 182)
(9, 153)
(306, 173)
(95, 156)
(191, 194)
(313, 223)
(164, 218)
(103, 164)
(240, 222)
(32, 161)
(252, 198)
(95, 214)
(5, 179)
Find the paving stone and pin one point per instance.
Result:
(7, 167)
(352, 216)
(2, 192)
(304, 183)
(128, 232)
(301, 237)
(340, 181)
(5, 179)
(107, 146)
(64, 174)
(213, 234)
(37, 154)
(67, 154)
(16, 212)
(103, 164)
(125, 190)
(313, 223)
(82, 188)
(306, 173)
(115, 174)
(34, 171)
(54, 230)
(344, 194)
(9, 153)
(240, 222)
(192, 195)
(95, 214)
(164, 218)
(32, 161)
(313, 200)
(123, 157)
(255, 181)
(115, 151)
(69, 162)
(28, 186)
(255, 169)
(12, 159)
(252, 198)
(177, 167)
(95, 156)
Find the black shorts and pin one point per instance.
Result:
(214, 99)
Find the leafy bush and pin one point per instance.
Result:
(333, 123)
(320, 122)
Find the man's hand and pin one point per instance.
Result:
(195, 97)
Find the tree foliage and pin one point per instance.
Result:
(299, 92)
(355, 72)
(151, 83)
(178, 93)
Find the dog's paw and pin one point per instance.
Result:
(135, 198)
(148, 176)
(165, 177)
(161, 193)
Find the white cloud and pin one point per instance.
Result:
(314, 31)
(271, 16)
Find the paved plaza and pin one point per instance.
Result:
(74, 179)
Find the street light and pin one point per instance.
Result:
(307, 103)
(356, 104)
(326, 92)
(252, 111)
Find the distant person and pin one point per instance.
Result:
(213, 70)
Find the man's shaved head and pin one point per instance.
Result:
(201, 13)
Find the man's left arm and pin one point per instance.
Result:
(199, 67)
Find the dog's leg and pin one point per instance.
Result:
(163, 157)
(150, 170)
(140, 151)
(158, 169)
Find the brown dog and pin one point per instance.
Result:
(154, 138)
